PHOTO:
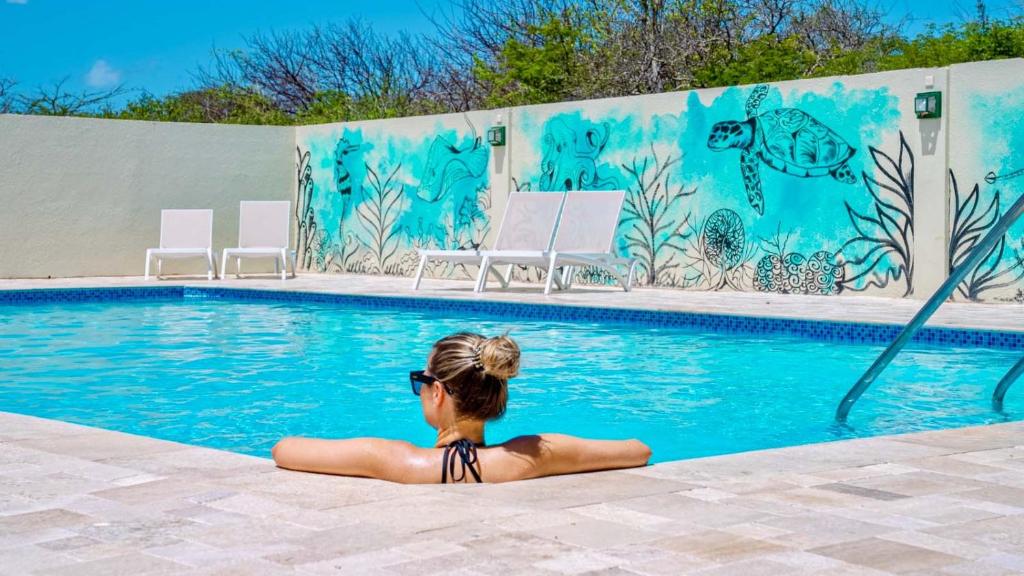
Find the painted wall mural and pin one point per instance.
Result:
(369, 195)
(986, 175)
(751, 190)
(797, 188)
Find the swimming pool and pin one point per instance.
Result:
(238, 369)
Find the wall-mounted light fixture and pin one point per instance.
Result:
(496, 133)
(928, 105)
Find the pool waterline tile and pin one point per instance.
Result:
(819, 330)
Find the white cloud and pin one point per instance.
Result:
(102, 75)
(17, 1)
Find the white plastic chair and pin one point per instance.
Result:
(528, 224)
(584, 237)
(184, 234)
(263, 232)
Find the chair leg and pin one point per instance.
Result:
(507, 279)
(149, 257)
(291, 257)
(503, 280)
(223, 263)
(559, 278)
(481, 278)
(631, 277)
(159, 267)
(610, 267)
(284, 264)
(419, 272)
(209, 265)
(551, 274)
(238, 267)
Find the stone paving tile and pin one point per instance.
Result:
(1005, 533)
(246, 568)
(579, 562)
(199, 555)
(887, 555)
(598, 534)
(719, 546)
(134, 564)
(815, 530)
(668, 565)
(29, 559)
(96, 445)
(43, 519)
(678, 506)
(758, 567)
(621, 515)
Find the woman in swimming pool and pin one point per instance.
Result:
(465, 385)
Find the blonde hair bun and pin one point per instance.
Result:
(500, 357)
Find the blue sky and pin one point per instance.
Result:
(155, 45)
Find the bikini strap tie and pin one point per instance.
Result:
(465, 451)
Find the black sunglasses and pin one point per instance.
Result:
(417, 378)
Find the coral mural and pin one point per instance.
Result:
(369, 196)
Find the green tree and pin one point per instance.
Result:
(767, 59)
(551, 68)
(222, 104)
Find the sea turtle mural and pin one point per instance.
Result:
(786, 139)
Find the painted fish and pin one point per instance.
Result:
(447, 165)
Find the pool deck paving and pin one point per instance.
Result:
(79, 500)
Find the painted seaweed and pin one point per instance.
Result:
(653, 236)
(305, 219)
(882, 250)
(379, 212)
(971, 223)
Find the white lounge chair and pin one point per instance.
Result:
(263, 232)
(584, 237)
(184, 234)
(528, 224)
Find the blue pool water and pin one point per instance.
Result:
(238, 375)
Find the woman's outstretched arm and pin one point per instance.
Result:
(551, 454)
(368, 457)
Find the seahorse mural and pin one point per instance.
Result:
(343, 175)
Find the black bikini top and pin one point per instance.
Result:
(465, 451)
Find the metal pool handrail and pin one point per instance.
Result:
(1004, 385)
(974, 258)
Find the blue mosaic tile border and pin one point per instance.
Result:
(45, 295)
(821, 330)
